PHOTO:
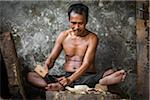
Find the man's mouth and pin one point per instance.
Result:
(76, 30)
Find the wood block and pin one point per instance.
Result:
(12, 65)
(40, 70)
(101, 87)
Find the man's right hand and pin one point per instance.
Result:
(46, 66)
(49, 63)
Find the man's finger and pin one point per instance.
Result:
(61, 78)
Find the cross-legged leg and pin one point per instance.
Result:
(36, 80)
(113, 78)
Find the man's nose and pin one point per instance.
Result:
(76, 26)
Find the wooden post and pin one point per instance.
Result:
(13, 67)
(142, 32)
(142, 60)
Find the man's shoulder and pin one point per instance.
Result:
(93, 35)
(93, 38)
(65, 33)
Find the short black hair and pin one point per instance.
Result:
(79, 8)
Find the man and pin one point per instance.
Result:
(79, 45)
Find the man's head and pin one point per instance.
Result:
(78, 17)
(79, 8)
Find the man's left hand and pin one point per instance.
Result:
(63, 81)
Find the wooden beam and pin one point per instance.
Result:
(142, 60)
(11, 60)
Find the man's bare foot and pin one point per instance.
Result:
(124, 76)
(114, 78)
(54, 87)
(108, 72)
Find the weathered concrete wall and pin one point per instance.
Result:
(36, 24)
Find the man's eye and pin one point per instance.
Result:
(73, 22)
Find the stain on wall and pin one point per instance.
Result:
(36, 24)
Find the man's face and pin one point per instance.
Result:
(77, 23)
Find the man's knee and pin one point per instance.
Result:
(34, 77)
(36, 80)
(31, 75)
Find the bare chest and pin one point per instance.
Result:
(75, 46)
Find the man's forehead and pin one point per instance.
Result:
(73, 13)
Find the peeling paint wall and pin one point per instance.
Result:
(36, 24)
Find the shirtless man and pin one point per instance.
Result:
(79, 45)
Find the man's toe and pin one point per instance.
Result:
(124, 76)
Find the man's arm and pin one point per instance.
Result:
(55, 52)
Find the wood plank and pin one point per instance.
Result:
(12, 63)
(142, 60)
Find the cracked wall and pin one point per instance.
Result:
(36, 24)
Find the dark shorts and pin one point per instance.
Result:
(50, 78)
(89, 79)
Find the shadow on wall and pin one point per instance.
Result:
(4, 92)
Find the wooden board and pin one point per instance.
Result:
(11, 60)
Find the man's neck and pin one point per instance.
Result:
(80, 34)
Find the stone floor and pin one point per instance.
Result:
(67, 95)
